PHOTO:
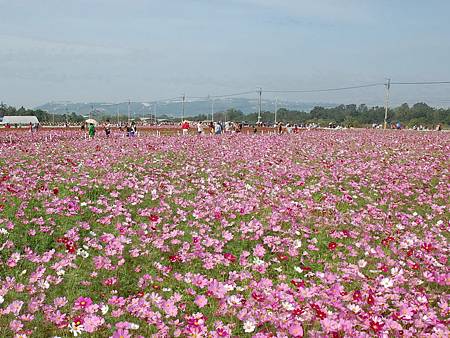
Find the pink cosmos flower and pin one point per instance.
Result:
(121, 333)
(82, 302)
(201, 301)
(296, 330)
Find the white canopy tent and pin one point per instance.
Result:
(94, 122)
(20, 120)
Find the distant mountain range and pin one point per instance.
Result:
(174, 109)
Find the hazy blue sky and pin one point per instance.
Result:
(112, 50)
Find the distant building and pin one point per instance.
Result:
(19, 120)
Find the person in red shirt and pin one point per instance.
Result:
(185, 127)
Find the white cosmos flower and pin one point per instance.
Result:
(297, 243)
(362, 263)
(104, 309)
(258, 261)
(60, 272)
(134, 326)
(249, 326)
(387, 282)
(422, 299)
(229, 287)
(298, 269)
(2, 299)
(354, 308)
(76, 329)
(3, 231)
(288, 306)
(44, 284)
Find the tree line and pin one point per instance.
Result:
(345, 115)
(42, 116)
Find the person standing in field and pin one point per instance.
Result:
(199, 128)
(280, 128)
(217, 128)
(107, 128)
(91, 130)
(185, 127)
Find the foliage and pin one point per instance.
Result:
(346, 115)
(42, 116)
(317, 234)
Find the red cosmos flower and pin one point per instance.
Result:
(396, 316)
(415, 266)
(175, 258)
(258, 297)
(71, 249)
(55, 191)
(376, 326)
(156, 287)
(320, 314)
(4, 178)
(332, 245)
(230, 257)
(221, 332)
(297, 312)
(410, 252)
(217, 215)
(428, 247)
(62, 240)
(357, 296)
(306, 268)
(97, 148)
(299, 284)
(370, 300)
(384, 268)
(283, 257)
(154, 218)
(78, 321)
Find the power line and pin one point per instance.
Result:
(206, 98)
(325, 90)
(421, 83)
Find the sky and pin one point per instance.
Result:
(119, 50)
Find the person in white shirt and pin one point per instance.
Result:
(199, 128)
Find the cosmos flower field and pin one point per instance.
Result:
(317, 234)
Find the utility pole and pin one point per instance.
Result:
(386, 106)
(182, 106)
(260, 104)
(155, 108)
(276, 109)
(129, 116)
(212, 110)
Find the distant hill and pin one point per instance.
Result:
(173, 109)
